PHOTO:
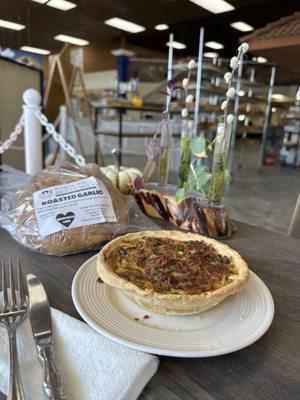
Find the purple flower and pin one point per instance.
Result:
(172, 83)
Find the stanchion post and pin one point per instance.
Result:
(32, 132)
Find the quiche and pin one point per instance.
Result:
(172, 272)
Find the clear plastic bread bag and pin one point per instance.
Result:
(66, 209)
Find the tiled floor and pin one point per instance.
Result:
(266, 198)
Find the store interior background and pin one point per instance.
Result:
(264, 196)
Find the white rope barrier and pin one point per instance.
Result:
(22, 148)
(31, 121)
(44, 139)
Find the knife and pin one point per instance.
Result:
(40, 318)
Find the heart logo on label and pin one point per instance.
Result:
(67, 219)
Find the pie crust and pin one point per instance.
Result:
(168, 303)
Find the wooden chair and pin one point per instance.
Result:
(294, 228)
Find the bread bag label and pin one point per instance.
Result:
(72, 205)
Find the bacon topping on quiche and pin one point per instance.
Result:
(172, 266)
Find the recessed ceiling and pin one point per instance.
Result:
(184, 18)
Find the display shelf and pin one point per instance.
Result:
(290, 149)
(213, 89)
(205, 67)
(121, 109)
(292, 116)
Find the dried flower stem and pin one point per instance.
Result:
(219, 171)
(184, 112)
(185, 152)
(234, 63)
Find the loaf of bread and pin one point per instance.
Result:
(68, 240)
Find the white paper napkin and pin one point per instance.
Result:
(92, 366)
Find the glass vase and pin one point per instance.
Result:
(219, 164)
(185, 152)
(165, 151)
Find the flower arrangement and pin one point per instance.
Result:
(163, 148)
(220, 175)
(166, 134)
(194, 173)
(186, 132)
(210, 182)
(189, 146)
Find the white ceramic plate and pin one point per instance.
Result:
(235, 323)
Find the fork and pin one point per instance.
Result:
(12, 313)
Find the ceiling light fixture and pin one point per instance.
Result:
(40, 1)
(273, 109)
(61, 4)
(242, 26)
(214, 6)
(161, 27)
(214, 45)
(124, 25)
(35, 50)
(211, 54)
(71, 39)
(177, 45)
(11, 25)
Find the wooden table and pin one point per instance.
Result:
(267, 370)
